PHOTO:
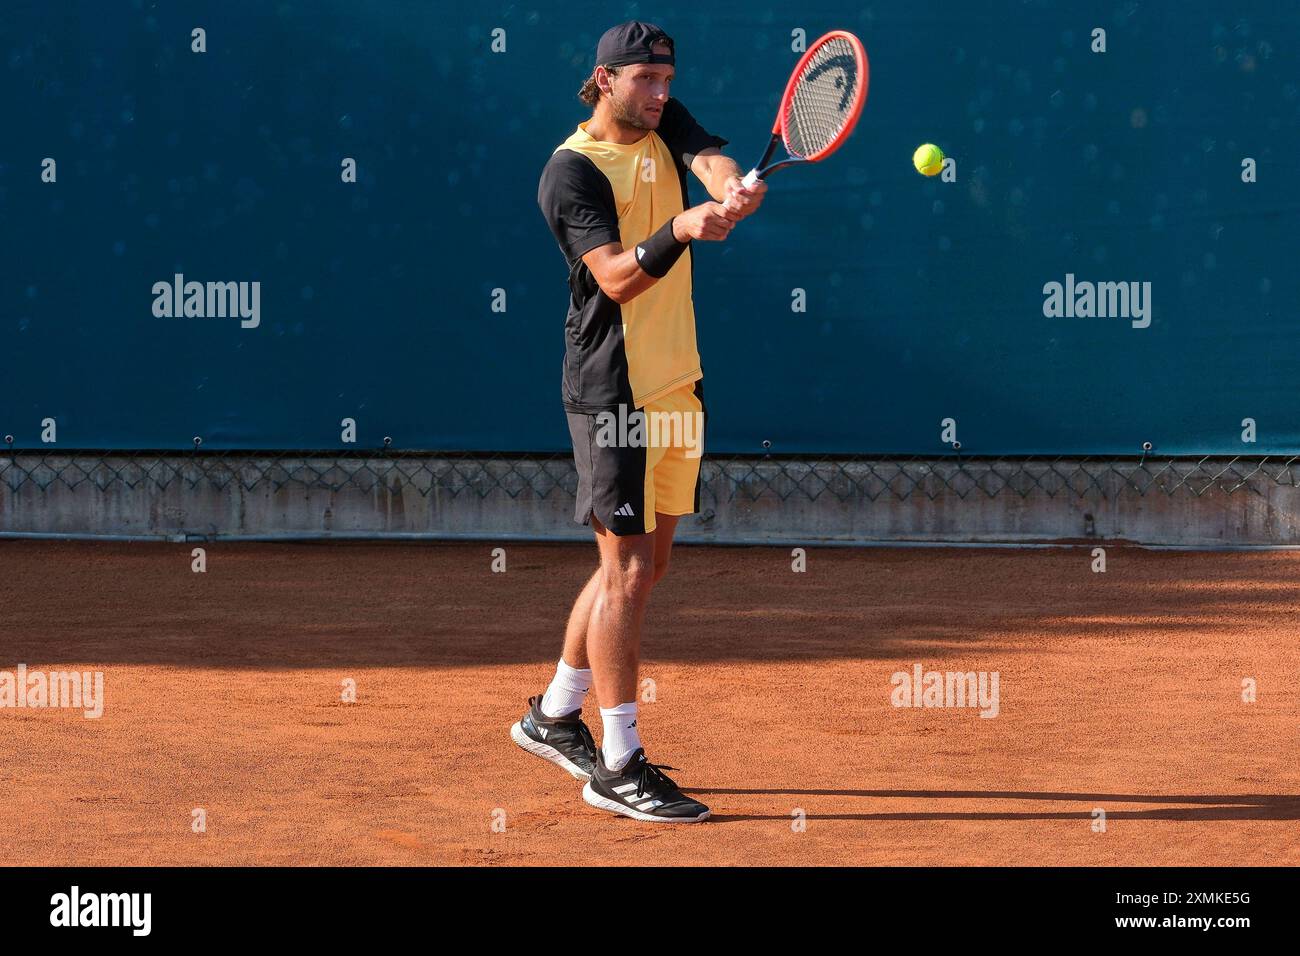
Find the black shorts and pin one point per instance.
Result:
(625, 476)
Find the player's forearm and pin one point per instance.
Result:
(623, 279)
(721, 168)
(625, 274)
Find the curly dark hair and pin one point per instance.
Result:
(590, 92)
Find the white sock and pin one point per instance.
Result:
(621, 738)
(568, 690)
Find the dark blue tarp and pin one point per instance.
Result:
(924, 298)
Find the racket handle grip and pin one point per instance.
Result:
(751, 177)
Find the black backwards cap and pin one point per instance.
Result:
(630, 43)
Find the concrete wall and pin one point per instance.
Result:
(1210, 503)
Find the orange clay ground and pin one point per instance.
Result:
(1120, 691)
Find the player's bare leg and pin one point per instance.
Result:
(553, 727)
(626, 575)
(624, 781)
(575, 633)
(665, 528)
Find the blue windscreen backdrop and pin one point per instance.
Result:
(862, 306)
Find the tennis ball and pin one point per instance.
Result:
(928, 159)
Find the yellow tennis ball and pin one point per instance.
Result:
(928, 159)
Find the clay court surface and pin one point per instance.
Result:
(1120, 691)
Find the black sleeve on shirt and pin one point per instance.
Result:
(578, 203)
(681, 134)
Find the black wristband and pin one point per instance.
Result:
(657, 254)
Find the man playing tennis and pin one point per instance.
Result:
(614, 194)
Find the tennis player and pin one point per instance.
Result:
(615, 196)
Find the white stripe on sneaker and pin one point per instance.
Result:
(546, 753)
(602, 803)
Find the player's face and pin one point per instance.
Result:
(639, 94)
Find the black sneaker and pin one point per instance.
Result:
(642, 791)
(564, 741)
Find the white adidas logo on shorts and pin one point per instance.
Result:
(626, 511)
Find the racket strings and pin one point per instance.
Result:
(823, 99)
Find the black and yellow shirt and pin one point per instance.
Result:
(593, 193)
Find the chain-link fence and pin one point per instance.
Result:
(1211, 501)
(861, 478)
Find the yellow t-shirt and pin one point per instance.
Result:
(593, 193)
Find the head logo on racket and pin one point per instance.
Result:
(821, 103)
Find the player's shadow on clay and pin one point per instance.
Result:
(1240, 806)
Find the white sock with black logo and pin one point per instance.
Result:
(621, 738)
(568, 690)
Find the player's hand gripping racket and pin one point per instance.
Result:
(821, 103)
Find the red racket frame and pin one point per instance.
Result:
(782, 113)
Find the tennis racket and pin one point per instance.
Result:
(820, 106)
